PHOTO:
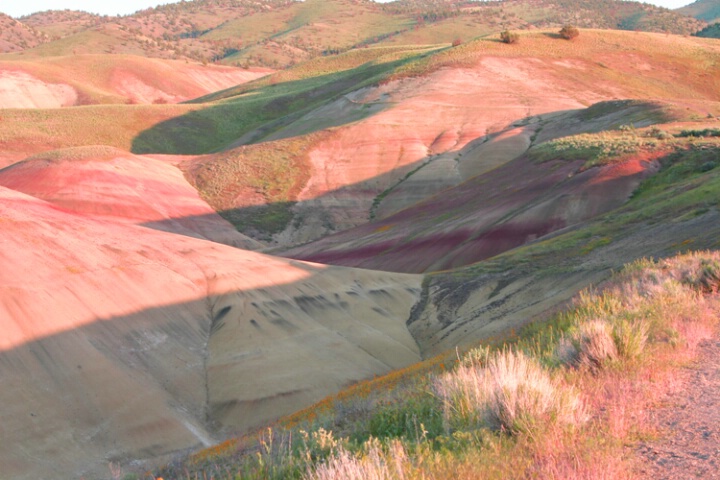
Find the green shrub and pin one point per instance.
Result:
(412, 419)
(630, 337)
(708, 132)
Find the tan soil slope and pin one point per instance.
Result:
(90, 79)
(422, 123)
(123, 343)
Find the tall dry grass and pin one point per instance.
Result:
(373, 463)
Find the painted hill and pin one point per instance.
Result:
(488, 101)
(478, 186)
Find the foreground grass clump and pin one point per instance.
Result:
(563, 399)
(511, 392)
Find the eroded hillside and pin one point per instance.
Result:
(478, 186)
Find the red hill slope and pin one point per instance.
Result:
(124, 343)
(108, 183)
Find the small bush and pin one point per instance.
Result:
(591, 345)
(707, 166)
(568, 32)
(509, 37)
(659, 133)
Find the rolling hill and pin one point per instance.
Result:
(175, 274)
(16, 36)
(147, 338)
(279, 33)
(707, 10)
(487, 101)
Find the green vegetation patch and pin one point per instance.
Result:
(254, 187)
(707, 132)
(595, 149)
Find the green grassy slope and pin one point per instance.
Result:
(271, 102)
(34, 131)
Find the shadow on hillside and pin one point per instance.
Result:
(133, 388)
(252, 111)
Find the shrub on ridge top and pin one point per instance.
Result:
(568, 32)
(509, 37)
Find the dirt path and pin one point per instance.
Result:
(689, 424)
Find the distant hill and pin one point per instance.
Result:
(279, 33)
(708, 10)
(16, 36)
(58, 24)
(96, 79)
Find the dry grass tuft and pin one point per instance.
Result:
(630, 337)
(512, 392)
(370, 464)
(593, 344)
